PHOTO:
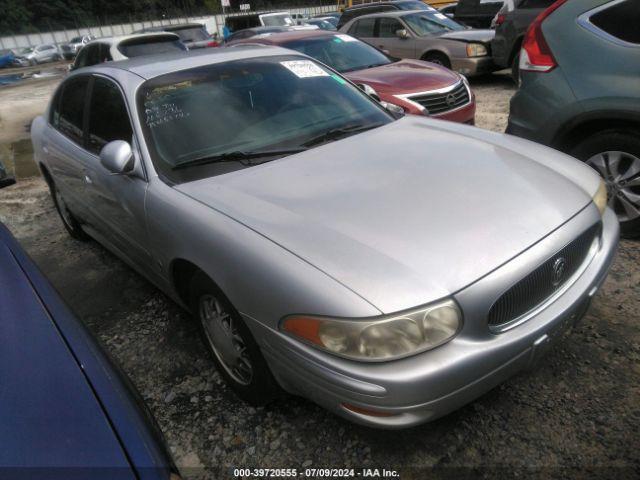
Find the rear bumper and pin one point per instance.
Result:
(429, 385)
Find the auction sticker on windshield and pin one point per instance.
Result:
(304, 68)
(346, 38)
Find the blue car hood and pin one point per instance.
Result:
(50, 419)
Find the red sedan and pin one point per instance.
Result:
(421, 88)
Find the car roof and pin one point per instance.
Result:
(133, 36)
(392, 13)
(153, 66)
(375, 4)
(278, 38)
(172, 27)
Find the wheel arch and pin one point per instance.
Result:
(434, 51)
(583, 126)
(517, 45)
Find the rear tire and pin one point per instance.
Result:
(231, 344)
(615, 154)
(68, 220)
(438, 58)
(515, 69)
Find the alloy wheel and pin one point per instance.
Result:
(621, 172)
(225, 340)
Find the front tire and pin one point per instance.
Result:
(68, 220)
(615, 155)
(231, 344)
(438, 58)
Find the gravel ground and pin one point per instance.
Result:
(577, 415)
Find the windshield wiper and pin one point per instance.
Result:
(236, 155)
(336, 133)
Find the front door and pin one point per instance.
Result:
(117, 200)
(387, 38)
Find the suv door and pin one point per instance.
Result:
(387, 39)
(117, 200)
(64, 140)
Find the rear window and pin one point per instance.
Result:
(621, 20)
(138, 47)
(192, 34)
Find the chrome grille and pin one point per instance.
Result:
(542, 283)
(442, 102)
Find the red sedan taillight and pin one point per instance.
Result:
(213, 43)
(536, 55)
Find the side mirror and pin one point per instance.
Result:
(402, 33)
(117, 157)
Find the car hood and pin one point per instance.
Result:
(471, 35)
(409, 212)
(405, 76)
(51, 418)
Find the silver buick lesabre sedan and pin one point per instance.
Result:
(390, 270)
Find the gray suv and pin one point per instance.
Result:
(580, 93)
(512, 23)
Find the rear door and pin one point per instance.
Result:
(364, 29)
(63, 143)
(117, 200)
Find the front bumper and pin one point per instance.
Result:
(426, 386)
(473, 66)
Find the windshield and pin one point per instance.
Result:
(26, 50)
(429, 23)
(278, 19)
(341, 52)
(250, 105)
(76, 40)
(192, 34)
(150, 46)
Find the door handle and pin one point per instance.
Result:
(87, 179)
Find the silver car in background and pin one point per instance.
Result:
(390, 270)
(47, 52)
(70, 50)
(427, 35)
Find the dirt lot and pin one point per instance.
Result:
(577, 415)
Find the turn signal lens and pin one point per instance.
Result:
(600, 197)
(385, 338)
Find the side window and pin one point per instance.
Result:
(363, 28)
(93, 54)
(387, 27)
(105, 53)
(71, 108)
(81, 59)
(535, 3)
(108, 117)
(620, 20)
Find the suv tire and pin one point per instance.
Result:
(615, 154)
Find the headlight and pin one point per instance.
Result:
(476, 50)
(600, 197)
(379, 339)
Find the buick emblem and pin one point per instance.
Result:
(559, 268)
(451, 99)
